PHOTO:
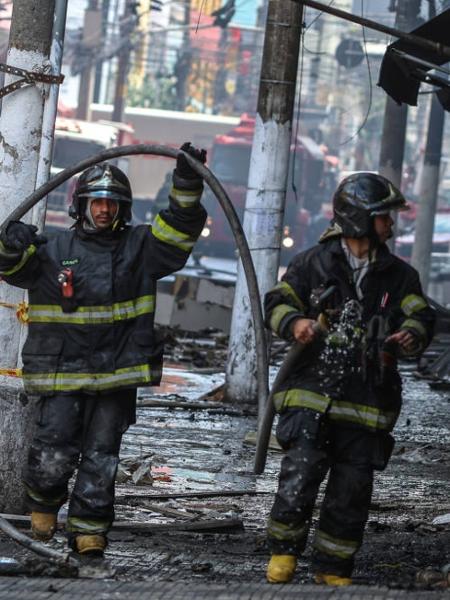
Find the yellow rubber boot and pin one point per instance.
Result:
(281, 568)
(323, 578)
(90, 544)
(43, 525)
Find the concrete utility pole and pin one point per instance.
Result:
(123, 64)
(266, 194)
(429, 185)
(89, 42)
(392, 149)
(20, 140)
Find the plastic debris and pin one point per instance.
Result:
(441, 520)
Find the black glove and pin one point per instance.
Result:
(183, 169)
(19, 236)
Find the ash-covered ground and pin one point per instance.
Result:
(197, 513)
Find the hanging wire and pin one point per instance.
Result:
(317, 17)
(200, 14)
(369, 72)
(297, 118)
(324, 53)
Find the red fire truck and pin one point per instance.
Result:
(229, 160)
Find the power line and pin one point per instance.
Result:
(369, 71)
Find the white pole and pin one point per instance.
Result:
(21, 123)
(264, 209)
(263, 218)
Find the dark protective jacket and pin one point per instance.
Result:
(347, 390)
(103, 338)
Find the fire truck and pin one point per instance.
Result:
(308, 188)
(76, 140)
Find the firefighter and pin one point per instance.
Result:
(339, 405)
(91, 339)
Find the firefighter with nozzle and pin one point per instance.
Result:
(339, 404)
(91, 340)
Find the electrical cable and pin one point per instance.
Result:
(200, 14)
(317, 17)
(369, 72)
(297, 119)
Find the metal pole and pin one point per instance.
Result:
(123, 66)
(266, 194)
(20, 128)
(392, 150)
(221, 74)
(184, 62)
(51, 107)
(85, 90)
(429, 185)
(98, 78)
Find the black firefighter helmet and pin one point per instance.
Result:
(102, 181)
(359, 198)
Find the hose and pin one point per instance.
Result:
(41, 549)
(289, 363)
(236, 228)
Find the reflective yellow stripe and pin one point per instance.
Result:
(7, 251)
(335, 546)
(91, 526)
(297, 398)
(67, 382)
(46, 501)
(25, 258)
(412, 303)
(281, 531)
(368, 416)
(416, 326)
(185, 198)
(92, 315)
(278, 314)
(169, 235)
(287, 290)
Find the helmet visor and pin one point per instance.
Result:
(105, 194)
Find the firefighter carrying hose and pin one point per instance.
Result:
(340, 403)
(91, 339)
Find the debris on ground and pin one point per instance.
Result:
(434, 579)
(442, 520)
(203, 517)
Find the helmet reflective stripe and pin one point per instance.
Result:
(107, 180)
(392, 202)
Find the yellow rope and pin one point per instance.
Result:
(11, 372)
(22, 314)
(21, 310)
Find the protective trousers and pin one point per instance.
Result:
(315, 446)
(83, 432)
